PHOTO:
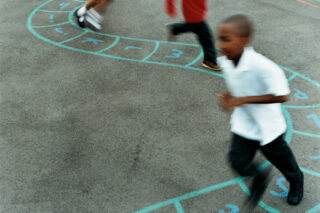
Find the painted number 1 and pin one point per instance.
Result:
(315, 118)
(176, 54)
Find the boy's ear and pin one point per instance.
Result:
(245, 41)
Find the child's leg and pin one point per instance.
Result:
(206, 40)
(241, 154)
(83, 10)
(281, 156)
(101, 7)
(179, 28)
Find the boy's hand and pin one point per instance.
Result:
(228, 102)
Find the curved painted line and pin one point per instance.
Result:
(189, 195)
(196, 59)
(308, 3)
(112, 45)
(306, 134)
(178, 207)
(156, 47)
(315, 209)
(310, 172)
(261, 203)
(302, 76)
(54, 11)
(195, 193)
(75, 37)
(302, 107)
(52, 25)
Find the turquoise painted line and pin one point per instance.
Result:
(52, 25)
(293, 76)
(197, 58)
(288, 118)
(189, 195)
(315, 209)
(156, 47)
(302, 76)
(125, 37)
(306, 134)
(54, 11)
(310, 172)
(75, 37)
(178, 207)
(112, 45)
(261, 203)
(302, 107)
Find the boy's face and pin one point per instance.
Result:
(230, 43)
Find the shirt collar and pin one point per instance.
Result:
(244, 61)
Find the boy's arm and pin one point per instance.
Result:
(229, 102)
(170, 8)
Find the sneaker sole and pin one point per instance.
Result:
(210, 68)
(93, 23)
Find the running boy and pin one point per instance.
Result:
(256, 86)
(90, 14)
(195, 14)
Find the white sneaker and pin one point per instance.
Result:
(170, 36)
(93, 23)
(95, 15)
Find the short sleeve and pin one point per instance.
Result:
(274, 79)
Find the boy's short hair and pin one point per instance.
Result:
(243, 24)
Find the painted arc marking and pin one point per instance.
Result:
(54, 11)
(60, 44)
(75, 37)
(197, 58)
(156, 47)
(178, 207)
(315, 209)
(112, 45)
(305, 133)
(52, 25)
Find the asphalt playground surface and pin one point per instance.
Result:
(123, 121)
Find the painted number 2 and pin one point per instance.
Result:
(176, 54)
(234, 209)
(315, 118)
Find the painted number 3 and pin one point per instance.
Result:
(176, 54)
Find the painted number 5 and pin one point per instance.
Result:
(176, 54)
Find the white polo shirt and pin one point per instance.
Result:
(256, 75)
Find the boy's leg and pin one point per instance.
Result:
(206, 40)
(175, 29)
(241, 155)
(281, 156)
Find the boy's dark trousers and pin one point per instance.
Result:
(204, 36)
(277, 152)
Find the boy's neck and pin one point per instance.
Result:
(237, 59)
